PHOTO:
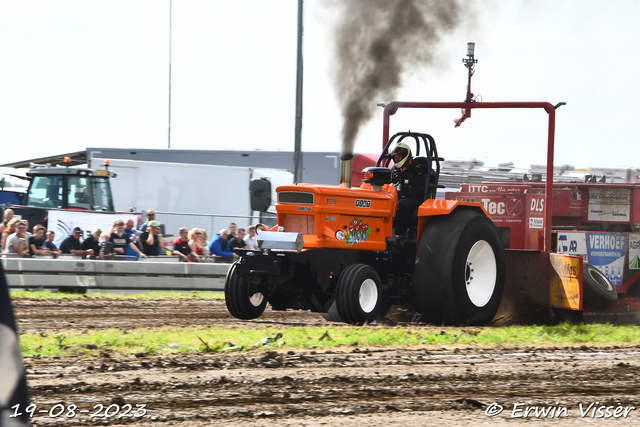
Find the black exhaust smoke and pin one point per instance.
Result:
(378, 42)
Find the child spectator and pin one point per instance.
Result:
(106, 247)
(49, 246)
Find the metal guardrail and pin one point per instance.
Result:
(95, 274)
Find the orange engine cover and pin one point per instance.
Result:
(364, 215)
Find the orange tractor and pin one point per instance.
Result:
(335, 248)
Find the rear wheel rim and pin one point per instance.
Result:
(368, 295)
(481, 272)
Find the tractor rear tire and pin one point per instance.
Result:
(244, 301)
(598, 291)
(459, 272)
(358, 294)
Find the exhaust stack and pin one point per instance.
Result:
(346, 164)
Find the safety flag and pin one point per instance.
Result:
(13, 381)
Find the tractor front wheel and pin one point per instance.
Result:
(459, 273)
(244, 301)
(358, 294)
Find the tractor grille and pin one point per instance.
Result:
(300, 224)
(295, 197)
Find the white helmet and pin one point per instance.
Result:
(404, 150)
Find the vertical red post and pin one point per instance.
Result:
(548, 188)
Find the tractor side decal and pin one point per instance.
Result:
(358, 232)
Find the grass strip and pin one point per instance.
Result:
(151, 295)
(214, 339)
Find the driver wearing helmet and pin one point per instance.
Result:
(410, 178)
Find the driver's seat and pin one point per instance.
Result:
(432, 185)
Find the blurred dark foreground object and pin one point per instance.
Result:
(13, 381)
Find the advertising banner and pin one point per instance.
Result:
(609, 204)
(634, 251)
(573, 244)
(607, 252)
(63, 222)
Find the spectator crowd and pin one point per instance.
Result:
(124, 240)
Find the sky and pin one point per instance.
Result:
(77, 74)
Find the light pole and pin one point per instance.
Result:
(297, 151)
(169, 129)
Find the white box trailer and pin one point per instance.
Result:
(192, 195)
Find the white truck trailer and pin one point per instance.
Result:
(196, 195)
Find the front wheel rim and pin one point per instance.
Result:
(481, 272)
(256, 299)
(368, 295)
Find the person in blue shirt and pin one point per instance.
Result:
(49, 245)
(220, 247)
(132, 233)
